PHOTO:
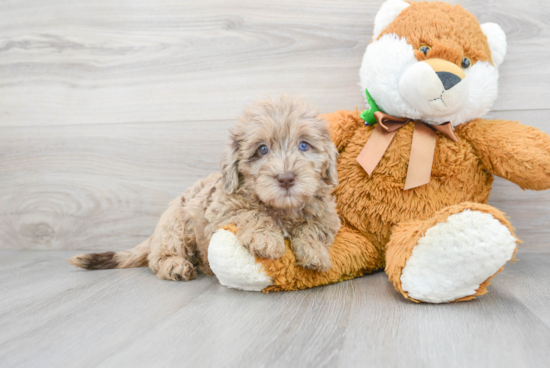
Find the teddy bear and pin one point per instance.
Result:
(415, 169)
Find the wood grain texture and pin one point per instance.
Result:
(87, 62)
(104, 186)
(109, 109)
(54, 315)
(98, 186)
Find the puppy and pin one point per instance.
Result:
(276, 180)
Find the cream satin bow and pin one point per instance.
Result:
(422, 147)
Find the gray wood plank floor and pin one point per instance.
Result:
(52, 315)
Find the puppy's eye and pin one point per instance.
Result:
(263, 150)
(303, 146)
(424, 49)
(466, 63)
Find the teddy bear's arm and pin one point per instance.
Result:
(512, 151)
(342, 125)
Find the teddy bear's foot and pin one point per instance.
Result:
(352, 255)
(233, 264)
(452, 256)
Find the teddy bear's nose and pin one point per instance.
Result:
(449, 80)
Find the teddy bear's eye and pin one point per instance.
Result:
(424, 49)
(466, 63)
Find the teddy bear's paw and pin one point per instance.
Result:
(455, 257)
(233, 264)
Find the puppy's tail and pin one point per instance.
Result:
(135, 257)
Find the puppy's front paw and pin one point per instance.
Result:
(262, 244)
(313, 256)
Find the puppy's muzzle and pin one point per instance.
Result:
(286, 180)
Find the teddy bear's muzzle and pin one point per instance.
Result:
(435, 87)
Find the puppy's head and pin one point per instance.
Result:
(281, 151)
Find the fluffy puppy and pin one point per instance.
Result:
(276, 181)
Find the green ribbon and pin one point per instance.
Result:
(368, 115)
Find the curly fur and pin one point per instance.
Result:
(248, 195)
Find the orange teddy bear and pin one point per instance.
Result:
(415, 180)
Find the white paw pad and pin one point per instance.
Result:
(454, 257)
(233, 265)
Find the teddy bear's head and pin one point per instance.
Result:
(432, 62)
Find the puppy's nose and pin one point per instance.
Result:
(286, 180)
(449, 80)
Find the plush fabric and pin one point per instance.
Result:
(438, 272)
(451, 26)
(230, 259)
(451, 33)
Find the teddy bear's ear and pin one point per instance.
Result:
(387, 13)
(497, 41)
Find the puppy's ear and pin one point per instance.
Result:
(331, 173)
(230, 166)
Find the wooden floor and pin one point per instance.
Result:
(111, 108)
(52, 315)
